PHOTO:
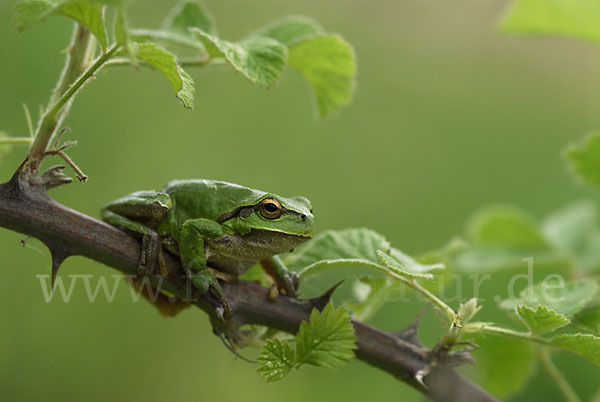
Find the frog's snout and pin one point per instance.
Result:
(306, 222)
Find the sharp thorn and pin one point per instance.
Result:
(420, 376)
(320, 302)
(16, 177)
(417, 320)
(57, 260)
(409, 334)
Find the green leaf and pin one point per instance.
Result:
(189, 14)
(327, 340)
(165, 62)
(29, 12)
(176, 27)
(585, 345)
(501, 236)
(87, 14)
(541, 320)
(276, 360)
(479, 259)
(503, 365)
(259, 59)
(170, 38)
(328, 63)
(589, 316)
(575, 19)
(352, 245)
(405, 266)
(574, 233)
(584, 160)
(333, 250)
(566, 300)
(111, 2)
(505, 225)
(291, 30)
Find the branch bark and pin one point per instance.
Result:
(26, 208)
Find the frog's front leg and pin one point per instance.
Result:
(193, 257)
(140, 213)
(285, 279)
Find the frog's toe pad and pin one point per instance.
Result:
(290, 283)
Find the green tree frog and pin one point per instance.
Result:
(214, 225)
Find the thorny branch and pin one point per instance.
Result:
(26, 208)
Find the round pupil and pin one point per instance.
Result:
(271, 207)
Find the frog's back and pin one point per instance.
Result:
(208, 199)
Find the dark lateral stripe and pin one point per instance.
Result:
(235, 213)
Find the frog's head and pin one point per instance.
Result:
(280, 217)
(292, 216)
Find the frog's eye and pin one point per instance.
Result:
(270, 208)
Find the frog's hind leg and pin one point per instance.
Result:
(140, 213)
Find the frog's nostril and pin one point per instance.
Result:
(303, 217)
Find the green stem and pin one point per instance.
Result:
(16, 141)
(562, 383)
(89, 73)
(509, 333)
(79, 56)
(80, 52)
(450, 313)
(183, 62)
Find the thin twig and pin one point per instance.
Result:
(15, 141)
(82, 177)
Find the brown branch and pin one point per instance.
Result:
(26, 208)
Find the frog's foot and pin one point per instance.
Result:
(150, 253)
(290, 283)
(162, 263)
(208, 287)
(224, 276)
(223, 308)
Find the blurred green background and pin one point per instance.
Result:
(448, 115)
